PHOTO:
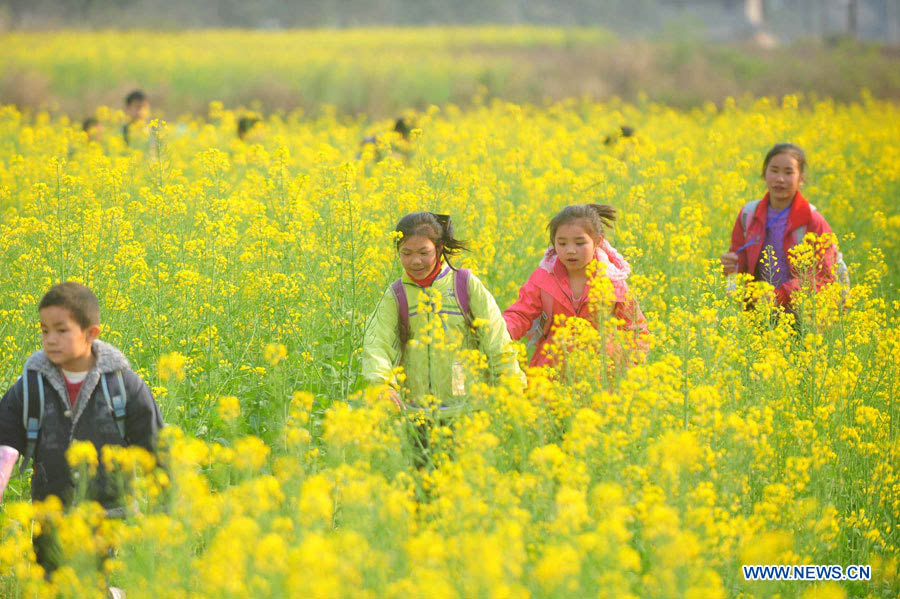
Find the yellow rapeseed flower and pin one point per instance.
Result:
(171, 366)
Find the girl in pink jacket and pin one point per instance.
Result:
(560, 285)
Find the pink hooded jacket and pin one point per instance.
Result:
(549, 286)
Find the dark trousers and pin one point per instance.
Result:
(47, 550)
(49, 554)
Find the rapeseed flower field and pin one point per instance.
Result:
(238, 276)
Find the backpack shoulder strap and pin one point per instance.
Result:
(747, 213)
(546, 311)
(461, 289)
(114, 392)
(402, 312)
(800, 232)
(540, 326)
(32, 412)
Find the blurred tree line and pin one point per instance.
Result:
(877, 20)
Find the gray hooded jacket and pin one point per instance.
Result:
(89, 420)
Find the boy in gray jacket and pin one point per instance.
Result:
(77, 388)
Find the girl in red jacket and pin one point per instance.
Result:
(560, 285)
(767, 229)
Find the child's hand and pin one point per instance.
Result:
(8, 457)
(395, 397)
(729, 262)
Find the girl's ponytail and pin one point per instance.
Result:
(606, 214)
(451, 245)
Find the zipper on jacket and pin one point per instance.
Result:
(430, 383)
(569, 296)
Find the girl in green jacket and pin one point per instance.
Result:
(427, 319)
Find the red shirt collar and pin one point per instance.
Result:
(427, 281)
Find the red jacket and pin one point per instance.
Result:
(551, 281)
(749, 244)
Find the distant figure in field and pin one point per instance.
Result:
(92, 128)
(137, 109)
(245, 125)
(400, 149)
(403, 128)
(624, 131)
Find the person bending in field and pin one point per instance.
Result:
(77, 388)
(624, 132)
(401, 148)
(766, 229)
(92, 129)
(431, 298)
(245, 127)
(559, 288)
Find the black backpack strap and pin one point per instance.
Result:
(114, 393)
(32, 412)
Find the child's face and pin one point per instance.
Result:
(418, 255)
(783, 177)
(138, 111)
(65, 342)
(575, 246)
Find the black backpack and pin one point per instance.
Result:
(33, 406)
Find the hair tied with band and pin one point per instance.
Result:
(445, 222)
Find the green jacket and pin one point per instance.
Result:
(433, 366)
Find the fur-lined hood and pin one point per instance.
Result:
(617, 268)
(108, 359)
